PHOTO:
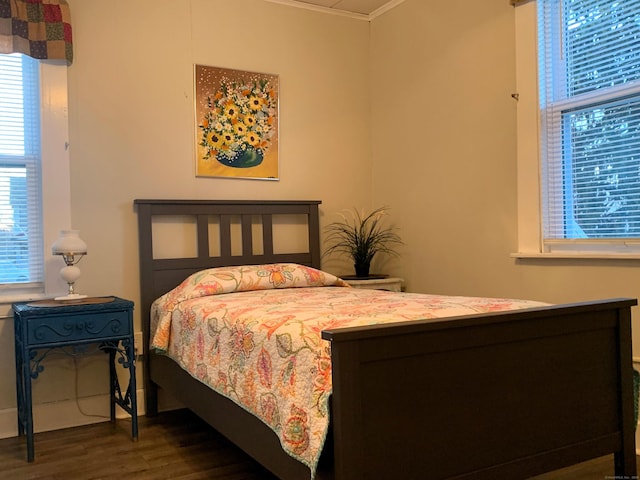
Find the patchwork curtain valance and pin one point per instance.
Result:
(38, 28)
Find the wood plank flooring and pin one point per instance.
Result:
(174, 445)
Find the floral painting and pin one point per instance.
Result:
(236, 123)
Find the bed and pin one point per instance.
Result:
(506, 394)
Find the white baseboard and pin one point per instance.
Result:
(65, 414)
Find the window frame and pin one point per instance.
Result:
(531, 243)
(55, 184)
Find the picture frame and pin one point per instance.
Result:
(236, 123)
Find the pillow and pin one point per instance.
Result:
(214, 281)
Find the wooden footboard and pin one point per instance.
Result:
(507, 395)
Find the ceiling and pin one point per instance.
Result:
(364, 9)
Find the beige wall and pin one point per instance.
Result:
(444, 157)
(444, 142)
(412, 110)
(131, 112)
(131, 130)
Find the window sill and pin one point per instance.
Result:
(576, 256)
(7, 300)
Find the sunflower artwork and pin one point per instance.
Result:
(237, 123)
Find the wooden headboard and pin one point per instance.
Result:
(158, 276)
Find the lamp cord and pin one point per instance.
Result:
(77, 390)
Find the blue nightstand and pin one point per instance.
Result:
(44, 325)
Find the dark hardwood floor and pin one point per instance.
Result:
(174, 445)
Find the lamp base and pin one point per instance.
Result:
(72, 296)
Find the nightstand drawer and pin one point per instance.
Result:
(77, 327)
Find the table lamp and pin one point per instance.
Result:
(72, 248)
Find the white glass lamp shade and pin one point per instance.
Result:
(69, 243)
(72, 248)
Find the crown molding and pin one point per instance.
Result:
(385, 8)
(334, 11)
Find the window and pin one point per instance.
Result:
(47, 192)
(589, 99)
(21, 251)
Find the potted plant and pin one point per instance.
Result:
(362, 237)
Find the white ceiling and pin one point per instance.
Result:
(364, 9)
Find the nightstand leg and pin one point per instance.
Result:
(19, 390)
(19, 353)
(27, 411)
(128, 401)
(131, 390)
(113, 379)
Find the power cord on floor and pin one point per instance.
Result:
(77, 390)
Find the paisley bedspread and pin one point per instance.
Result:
(253, 334)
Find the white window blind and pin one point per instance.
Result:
(589, 54)
(21, 252)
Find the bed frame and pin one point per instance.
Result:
(503, 395)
